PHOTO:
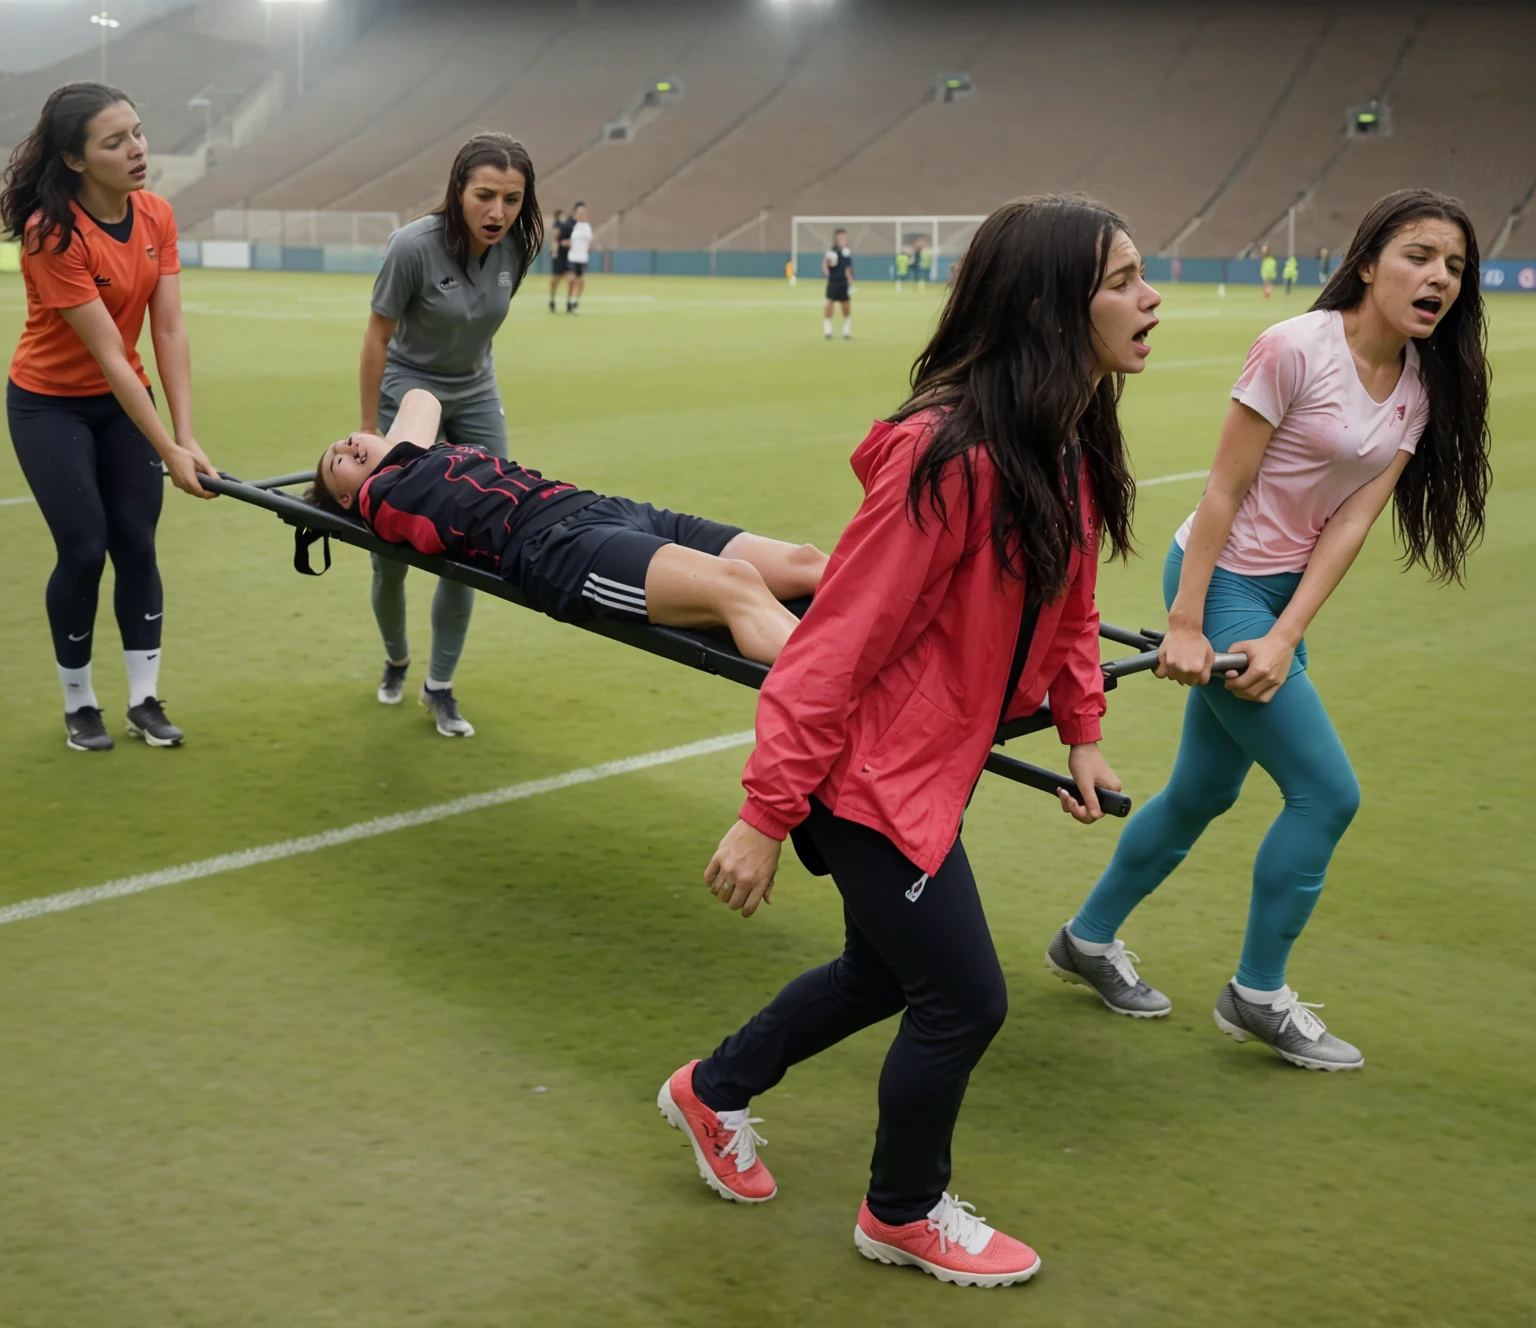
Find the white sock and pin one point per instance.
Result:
(143, 675)
(1096, 948)
(1256, 997)
(78, 692)
(826, 327)
(848, 325)
(433, 685)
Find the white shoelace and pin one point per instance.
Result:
(744, 1140)
(957, 1224)
(1123, 960)
(1300, 1014)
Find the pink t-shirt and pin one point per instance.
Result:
(1330, 439)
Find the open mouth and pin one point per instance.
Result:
(492, 229)
(1429, 305)
(1140, 338)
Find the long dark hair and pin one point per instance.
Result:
(1011, 367)
(37, 180)
(1441, 496)
(504, 151)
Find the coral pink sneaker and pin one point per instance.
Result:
(724, 1142)
(952, 1243)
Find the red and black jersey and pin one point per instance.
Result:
(463, 502)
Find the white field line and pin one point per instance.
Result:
(347, 834)
(12, 502)
(1172, 479)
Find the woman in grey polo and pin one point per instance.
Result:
(441, 296)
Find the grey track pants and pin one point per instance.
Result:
(477, 422)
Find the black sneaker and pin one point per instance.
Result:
(445, 710)
(147, 720)
(86, 732)
(392, 684)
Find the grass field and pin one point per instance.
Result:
(410, 1080)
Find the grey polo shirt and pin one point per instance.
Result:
(446, 318)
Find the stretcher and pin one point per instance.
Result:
(708, 652)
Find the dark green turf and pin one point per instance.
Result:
(303, 1094)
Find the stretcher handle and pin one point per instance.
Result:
(1121, 668)
(1037, 777)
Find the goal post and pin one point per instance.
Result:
(876, 240)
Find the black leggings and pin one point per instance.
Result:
(99, 484)
(913, 943)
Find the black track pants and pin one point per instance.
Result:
(913, 943)
(99, 484)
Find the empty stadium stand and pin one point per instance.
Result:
(1203, 122)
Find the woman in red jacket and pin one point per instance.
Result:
(961, 593)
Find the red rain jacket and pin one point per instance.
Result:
(884, 703)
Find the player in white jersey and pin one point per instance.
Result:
(579, 253)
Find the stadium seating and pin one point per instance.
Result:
(1203, 123)
(161, 65)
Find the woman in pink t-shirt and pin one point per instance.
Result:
(1380, 391)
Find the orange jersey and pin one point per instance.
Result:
(51, 358)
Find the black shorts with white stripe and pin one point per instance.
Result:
(593, 563)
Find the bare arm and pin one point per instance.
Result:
(371, 370)
(94, 326)
(173, 357)
(1269, 657)
(418, 419)
(1185, 655)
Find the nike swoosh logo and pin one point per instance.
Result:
(81, 637)
(152, 658)
(150, 617)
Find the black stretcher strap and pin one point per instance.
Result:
(302, 540)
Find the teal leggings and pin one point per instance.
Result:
(1291, 738)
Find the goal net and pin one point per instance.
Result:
(876, 241)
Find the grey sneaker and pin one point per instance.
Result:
(85, 732)
(445, 710)
(1111, 975)
(392, 684)
(147, 720)
(1288, 1028)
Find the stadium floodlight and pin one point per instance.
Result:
(298, 82)
(104, 22)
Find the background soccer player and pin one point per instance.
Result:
(837, 267)
(559, 254)
(579, 251)
(1268, 270)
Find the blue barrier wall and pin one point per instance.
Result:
(1517, 276)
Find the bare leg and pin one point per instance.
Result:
(788, 570)
(686, 588)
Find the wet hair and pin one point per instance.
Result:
(1011, 366)
(1441, 497)
(37, 180)
(505, 152)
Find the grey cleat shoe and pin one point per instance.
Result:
(392, 684)
(1288, 1028)
(147, 720)
(1111, 975)
(85, 732)
(445, 710)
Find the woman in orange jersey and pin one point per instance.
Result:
(97, 252)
